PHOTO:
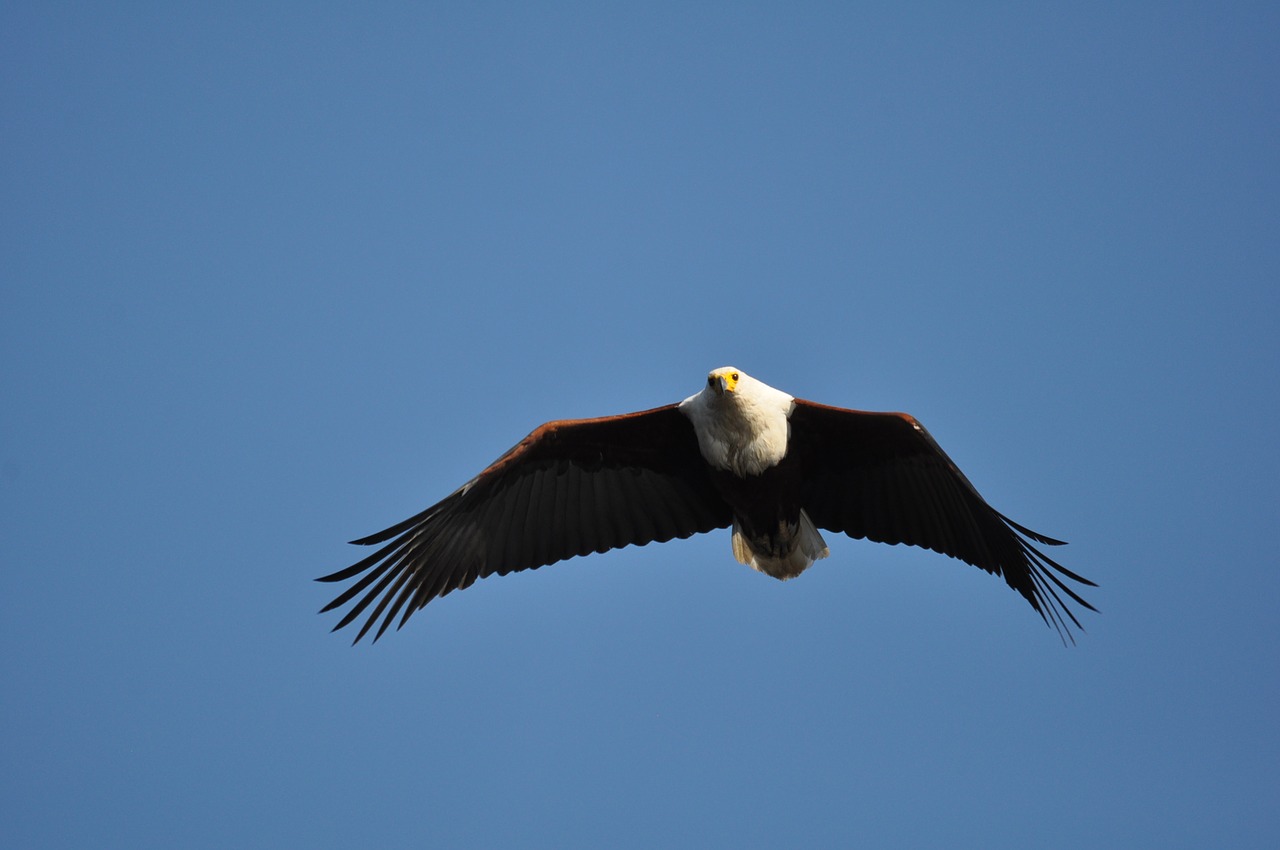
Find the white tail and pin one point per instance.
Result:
(795, 549)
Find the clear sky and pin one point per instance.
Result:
(276, 276)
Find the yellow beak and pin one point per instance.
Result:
(722, 382)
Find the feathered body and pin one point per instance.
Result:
(738, 454)
(744, 432)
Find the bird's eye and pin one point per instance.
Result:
(734, 376)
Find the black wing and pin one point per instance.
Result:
(882, 477)
(570, 488)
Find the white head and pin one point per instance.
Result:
(724, 380)
(729, 383)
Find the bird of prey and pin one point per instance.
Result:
(738, 454)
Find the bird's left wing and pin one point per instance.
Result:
(881, 476)
(570, 488)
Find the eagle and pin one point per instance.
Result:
(739, 453)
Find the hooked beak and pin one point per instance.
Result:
(723, 381)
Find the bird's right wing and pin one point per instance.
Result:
(570, 488)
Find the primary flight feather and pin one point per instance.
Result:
(739, 453)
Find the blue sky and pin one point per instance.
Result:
(275, 278)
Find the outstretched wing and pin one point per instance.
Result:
(570, 488)
(881, 476)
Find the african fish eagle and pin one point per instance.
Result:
(739, 453)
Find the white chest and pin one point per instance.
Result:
(744, 436)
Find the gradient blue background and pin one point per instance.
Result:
(276, 277)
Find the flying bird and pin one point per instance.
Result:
(738, 454)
